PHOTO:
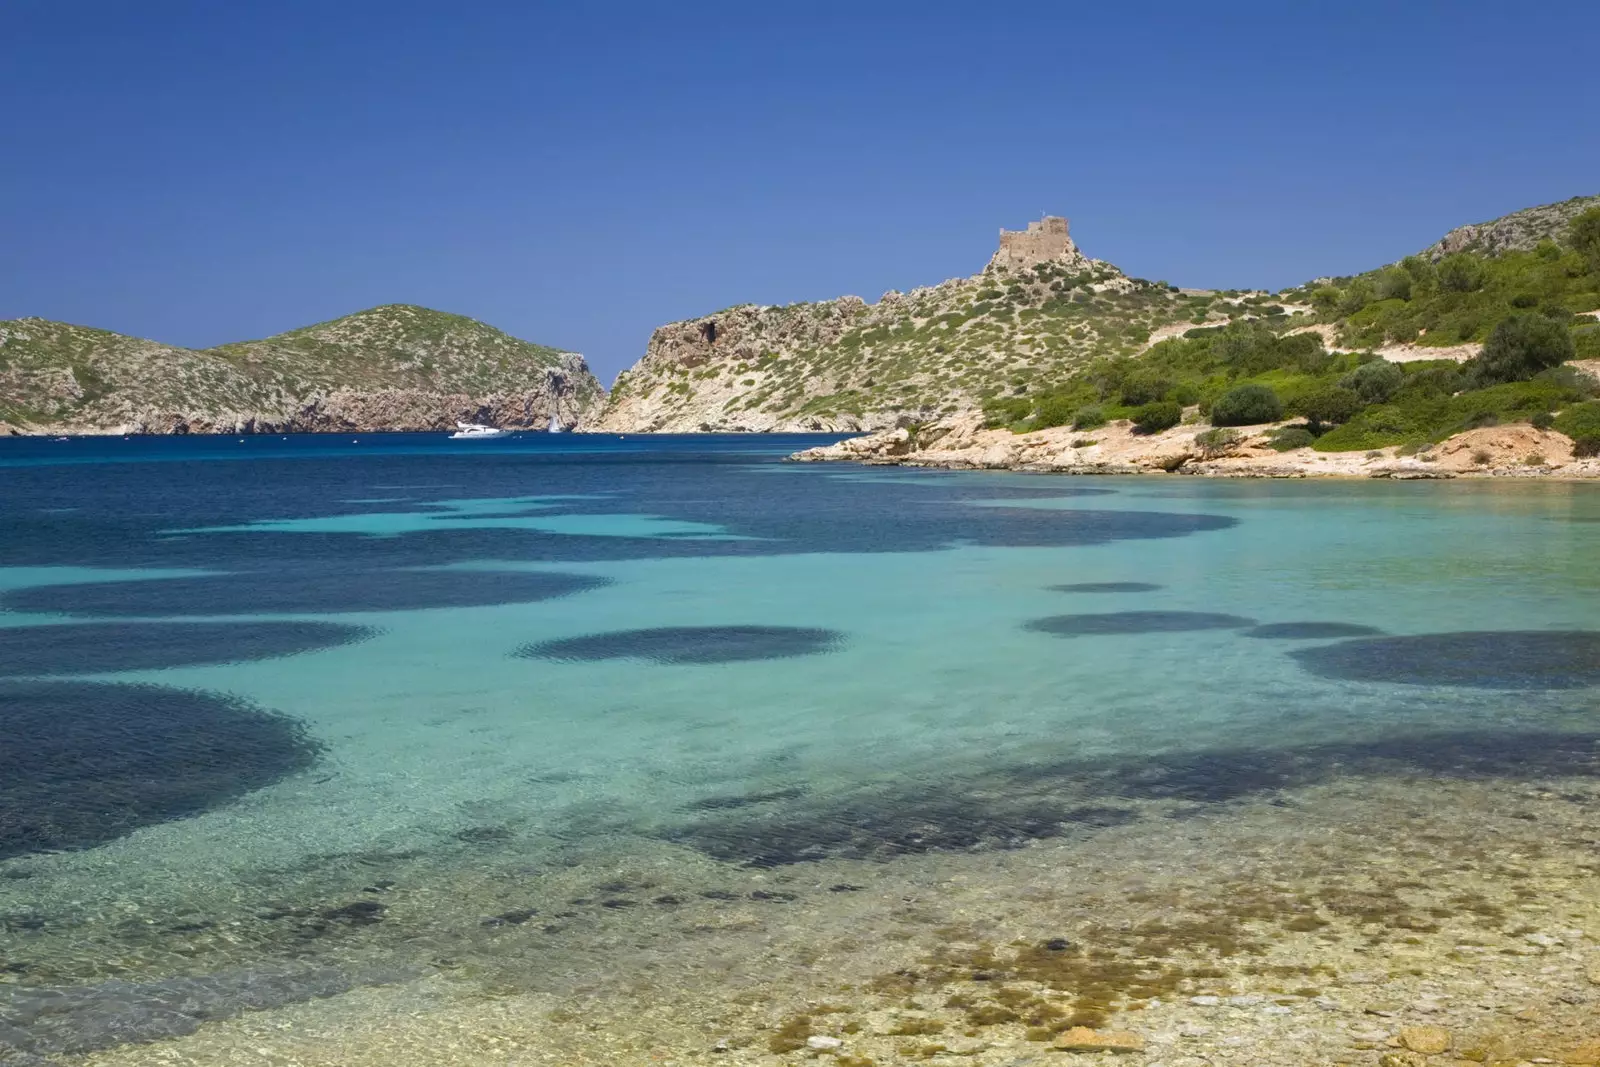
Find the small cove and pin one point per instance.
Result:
(635, 673)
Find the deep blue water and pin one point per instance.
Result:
(235, 671)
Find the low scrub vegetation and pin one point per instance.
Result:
(1524, 305)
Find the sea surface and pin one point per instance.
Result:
(282, 718)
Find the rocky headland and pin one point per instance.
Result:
(1479, 356)
(1044, 335)
(395, 367)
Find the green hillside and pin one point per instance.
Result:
(396, 346)
(1528, 305)
(55, 372)
(936, 350)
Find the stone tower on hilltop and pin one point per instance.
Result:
(1045, 241)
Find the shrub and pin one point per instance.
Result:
(1434, 381)
(1586, 343)
(1088, 418)
(1584, 236)
(1053, 410)
(1580, 420)
(1542, 420)
(1216, 441)
(1285, 438)
(1246, 405)
(1393, 284)
(1356, 297)
(1481, 457)
(1520, 347)
(1586, 446)
(1461, 273)
(1374, 382)
(1158, 416)
(1144, 387)
(1328, 406)
(1421, 271)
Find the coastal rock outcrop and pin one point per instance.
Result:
(962, 442)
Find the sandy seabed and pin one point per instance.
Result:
(1323, 925)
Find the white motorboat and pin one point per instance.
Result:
(476, 431)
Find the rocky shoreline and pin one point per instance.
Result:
(961, 442)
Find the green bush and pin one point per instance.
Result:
(1584, 236)
(1520, 347)
(1246, 405)
(1586, 343)
(1580, 420)
(1586, 446)
(1052, 410)
(1088, 418)
(1382, 425)
(1285, 438)
(1157, 416)
(1393, 284)
(1141, 387)
(1461, 273)
(1328, 406)
(1542, 420)
(1216, 441)
(1423, 275)
(1374, 382)
(1184, 394)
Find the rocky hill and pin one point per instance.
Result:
(1520, 231)
(395, 367)
(1040, 312)
(1036, 312)
(1482, 361)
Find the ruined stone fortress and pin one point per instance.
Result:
(1043, 241)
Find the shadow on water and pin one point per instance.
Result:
(1104, 587)
(39, 1024)
(84, 763)
(689, 644)
(1008, 808)
(1135, 622)
(1508, 659)
(104, 647)
(1310, 631)
(302, 590)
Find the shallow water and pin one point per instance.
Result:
(450, 690)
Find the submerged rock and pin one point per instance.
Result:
(1083, 1039)
(41, 1022)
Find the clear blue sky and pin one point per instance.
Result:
(576, 174)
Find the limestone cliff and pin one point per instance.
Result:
(1038, 310)
(390, 368)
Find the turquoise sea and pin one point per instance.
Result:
(284, 719)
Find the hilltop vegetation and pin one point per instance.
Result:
(56, 373)
(1527, 306)
(396, 366)
(397, 346)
